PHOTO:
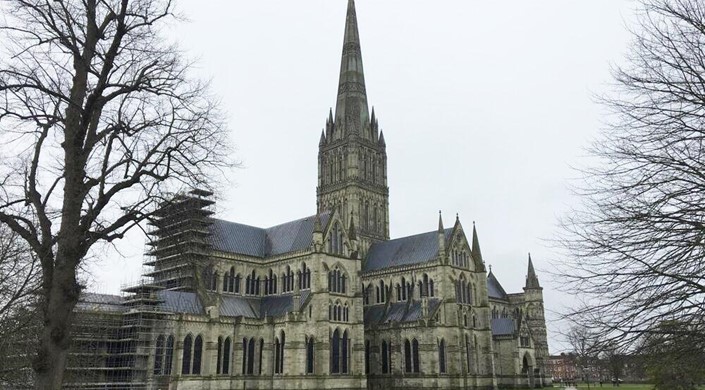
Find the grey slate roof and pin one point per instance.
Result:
(416, 249)
(271, 306)
(502, 326)
(494, 288)
(180, 302)
(189, 303)
(235, 306)
(398, 311)
(248, 240)
(100, 302)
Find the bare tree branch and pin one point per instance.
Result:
(635, 248)
(107, 124)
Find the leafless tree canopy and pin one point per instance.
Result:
(673, 354)
(18, 277)
(99, 121)
(18, 287)
(636, 254)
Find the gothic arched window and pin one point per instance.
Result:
(344, 353)
(159, 355)
(403, 293)
(251, 356)
(168, 355)
(442, 356)
(197, 353)
(186, 357)
(336, 281)
(219, 360)
(385, 357)
(261, 348)
(367, 356)
(277, 354)
(415, 355)
(280, 363)
(335, 352)
(407, 356)
(226, 356)
(226, 282)
(309, 355)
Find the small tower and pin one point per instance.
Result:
(533, 307)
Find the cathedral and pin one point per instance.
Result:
(328, 301)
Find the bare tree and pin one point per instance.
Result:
(585, 347)
(635, 248)
(18, 287)
(673, 353)
(18, 277)
(99, 123)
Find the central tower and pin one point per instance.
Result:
(352, 157)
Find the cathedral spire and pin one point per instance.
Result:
(351, 109)
(352, 158)
(532, 281)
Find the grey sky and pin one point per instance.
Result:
(484, 105)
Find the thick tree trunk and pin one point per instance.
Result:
(57, 313)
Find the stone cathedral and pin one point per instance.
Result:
(327, 301)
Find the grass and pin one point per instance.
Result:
(623, 386)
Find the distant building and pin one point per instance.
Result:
(562, 368)
(325, 301)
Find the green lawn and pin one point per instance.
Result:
(623, 386)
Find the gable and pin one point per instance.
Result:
(494, 288)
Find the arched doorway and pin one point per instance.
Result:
(527, 369)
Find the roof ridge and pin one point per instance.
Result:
(325, 213)
(446, 230)
(237, 223)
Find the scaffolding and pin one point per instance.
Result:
(180, 248)
(114, 337)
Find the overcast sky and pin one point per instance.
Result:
(485, 106)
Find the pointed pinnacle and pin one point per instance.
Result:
(532, 281)
(351, 230)
(440, 222)
(317, 224)
(476, 253)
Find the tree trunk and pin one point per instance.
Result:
(60, 298)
